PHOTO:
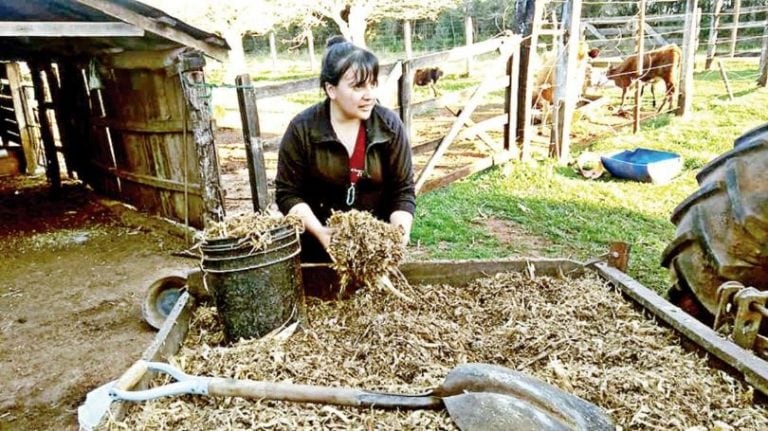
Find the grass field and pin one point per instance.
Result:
(554, 212)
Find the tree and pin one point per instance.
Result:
(352, 16)
(232, 19)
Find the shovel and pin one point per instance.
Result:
(477, 397)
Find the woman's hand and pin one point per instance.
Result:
(405, 239)
(403, 220)
(312, 224)
(274, 211)
(324, 236)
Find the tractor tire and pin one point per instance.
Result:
(722, 229)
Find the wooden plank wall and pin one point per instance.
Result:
(145, 112)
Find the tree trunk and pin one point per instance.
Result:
(407, 39)
(357, 18)
(273, 51)
(236, 62)
(311, 49)
(468, 41)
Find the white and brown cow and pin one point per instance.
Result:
(545, 78)
(659, 64)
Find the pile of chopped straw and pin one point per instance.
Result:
(364, 249)
(577, 334)
(252, 227)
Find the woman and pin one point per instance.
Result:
(345, 152)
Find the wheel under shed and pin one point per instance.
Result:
(115, 90)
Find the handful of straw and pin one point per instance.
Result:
(366, 251)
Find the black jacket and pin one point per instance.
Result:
(313, 166)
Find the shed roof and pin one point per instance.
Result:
(64, 28)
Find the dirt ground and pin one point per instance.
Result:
(72, 280)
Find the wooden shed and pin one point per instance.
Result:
(121, 97)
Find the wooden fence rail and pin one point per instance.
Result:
(733, 27)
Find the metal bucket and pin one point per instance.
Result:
(255, 291)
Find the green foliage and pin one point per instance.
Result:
(557, 213)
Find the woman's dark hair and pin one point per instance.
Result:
(340, 56)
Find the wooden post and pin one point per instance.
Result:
(23, 117)
(468, 40)
(510, 106)
(763, 78)
(254, 148)
(407, 36)
(685, 101)
(640, 55)
(404, 93)
(735, 29)
(566, 90)
(557, 32)
(713, 26)
(558, 47)
(697, 39)
(52, 169)
(725, 79)
(311, 49)
(75, 93)
(618, 255)
(528, 14)
(59, 108)
(273, 51)
(190, 67)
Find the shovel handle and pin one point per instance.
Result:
(132, 375)
(217, 386)
(319, 394)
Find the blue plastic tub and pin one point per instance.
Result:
(645, 165)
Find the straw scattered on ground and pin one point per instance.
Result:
(577, 334)
(364, 249)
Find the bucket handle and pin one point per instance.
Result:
(226, 271)
(254, 253)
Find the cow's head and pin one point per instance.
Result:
(436, 73)
(601, 79)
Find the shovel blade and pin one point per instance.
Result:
(534, 397)
(483, 411)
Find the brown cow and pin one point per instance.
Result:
(659, 64)
(428, 76)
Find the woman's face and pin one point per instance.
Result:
(353, 100)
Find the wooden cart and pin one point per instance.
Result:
(318, 280)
